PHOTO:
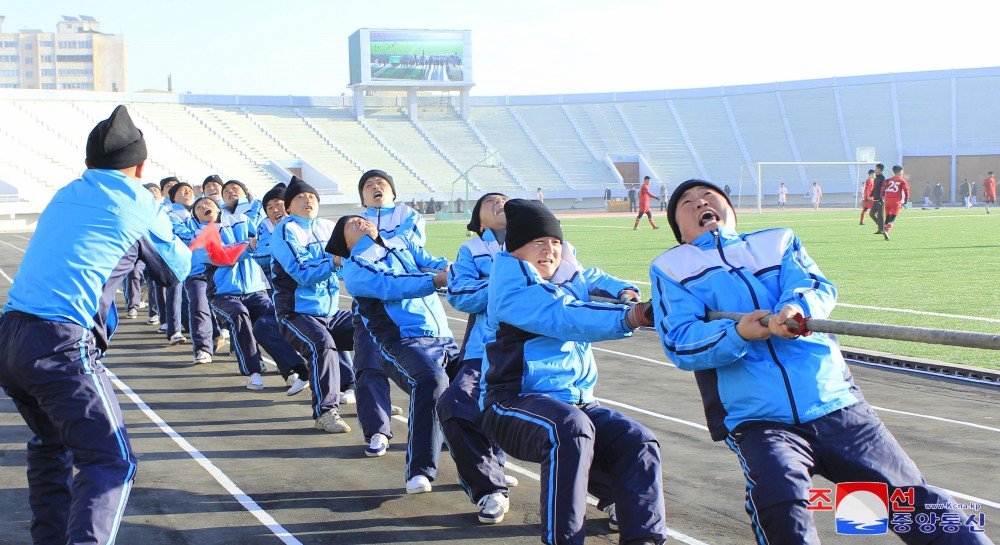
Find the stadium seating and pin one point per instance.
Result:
(559, 143)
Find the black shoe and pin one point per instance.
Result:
(886, 235)
(879, 232)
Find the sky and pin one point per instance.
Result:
(523, 47)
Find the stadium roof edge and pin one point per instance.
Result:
(500, 100)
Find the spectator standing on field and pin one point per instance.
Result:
(877, 213)
(938, 195)
(782, 196)
(815, 195)
(663, 197)
(632, 206)
(989, 191)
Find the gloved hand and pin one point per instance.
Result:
(628, 296)
(641, 315)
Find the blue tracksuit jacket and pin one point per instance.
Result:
(398, 220)
(395, 300)
(246, 275)
(111, 220)
(539, 332)
(468, 280)
(303, 274)
(777, 380)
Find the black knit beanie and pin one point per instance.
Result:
(337, 245)
(474, 224)
(116, 143)
(166, 181)
(676, 197)
(173, 190)
(528, 220)
(372, 174)
(276, 192)
(295, 186)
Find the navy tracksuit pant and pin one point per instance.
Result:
(372, 384)
(319, 339)
(268, 335)
(202, 326)
(576, 445)
(175, 315)
(849, 445)
(132, 287)
(417, 365)
(50, 371)
(478, 459)
(240, 313)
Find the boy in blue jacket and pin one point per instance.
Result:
(378, 196)
(783, 399)
(478, 459)
(398, 305)
(238, 297)
(538, 377)
(56, 325)
(306, 293)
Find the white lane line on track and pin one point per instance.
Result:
(9, 279)
(923, 313)
(939, 419)
(12, 246)
(246, 501)
(961, 496)
(679, 536)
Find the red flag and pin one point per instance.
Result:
(219, 255)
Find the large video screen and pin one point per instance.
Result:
(410, 58)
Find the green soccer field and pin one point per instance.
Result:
(939, 261)
(421, 47)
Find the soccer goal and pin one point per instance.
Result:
(841, 182)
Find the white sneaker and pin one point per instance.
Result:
(153, 320)
(395, 411)
(255, 382)
(225, 334)
(347, 397)
(177, 338)
(142, 305)
(612, 517)
(162, 329)
(418, 485)
(132, 314)
(291, 379)
(510, 481)
(220, 343)
(492, 508)
(296, 386)
(377, 447)
(202, 357)
(331, 422)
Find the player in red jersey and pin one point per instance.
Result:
(895, 193)
(866, 195)
(644, 196)
(989, 190)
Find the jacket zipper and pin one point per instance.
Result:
(770, 347)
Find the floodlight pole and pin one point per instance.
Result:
(465, 175)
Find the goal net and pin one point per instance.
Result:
(841, 182)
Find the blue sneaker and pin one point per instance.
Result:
(377, 446)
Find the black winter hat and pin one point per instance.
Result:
(167, 180)
(295, 186)
(173, 190)
(528, 220)
(276, 192)
(372, 174)
(337, 245)
(475, 224)
(676, 197)
(116, 143)
(212, 178)
(242, 185)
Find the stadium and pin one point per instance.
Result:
(220, 464)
